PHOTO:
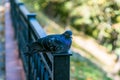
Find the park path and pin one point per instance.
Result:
(10, 63)
(13, 64)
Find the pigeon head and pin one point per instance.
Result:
(68, 34)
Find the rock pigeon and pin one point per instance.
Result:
(57, 43)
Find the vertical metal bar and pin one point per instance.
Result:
(29, 16)
(17, 19)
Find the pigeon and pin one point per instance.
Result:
(57, 43)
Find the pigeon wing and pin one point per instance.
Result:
(59, 45)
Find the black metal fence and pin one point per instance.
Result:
(41, 66)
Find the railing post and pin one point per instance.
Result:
(61, 66)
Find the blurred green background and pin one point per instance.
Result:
(98, 20)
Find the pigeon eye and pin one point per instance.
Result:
(67, 35)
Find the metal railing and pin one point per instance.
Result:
(41, 66)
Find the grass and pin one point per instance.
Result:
(84, 69)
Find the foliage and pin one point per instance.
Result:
(97, 18)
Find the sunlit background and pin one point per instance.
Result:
(96, 38)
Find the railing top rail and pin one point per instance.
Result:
(37, 28)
